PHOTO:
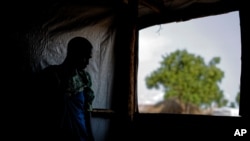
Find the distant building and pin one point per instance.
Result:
(225, 111)
(174, 106)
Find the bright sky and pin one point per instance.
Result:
(213, 36)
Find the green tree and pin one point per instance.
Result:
(237, 98)
(232, 105)
(185, 76)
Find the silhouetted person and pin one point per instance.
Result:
(67, 95)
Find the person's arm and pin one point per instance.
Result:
(89, 92)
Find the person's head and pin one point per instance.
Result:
(79, 52)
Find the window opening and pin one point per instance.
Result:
(205, 56)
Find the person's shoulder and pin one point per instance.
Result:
(50, 69)
(49, 76)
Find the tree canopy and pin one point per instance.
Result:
(187, 77)
(237, 98)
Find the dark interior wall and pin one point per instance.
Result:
(17, 20)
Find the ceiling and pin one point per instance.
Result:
(153, 12)
(23, 14)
